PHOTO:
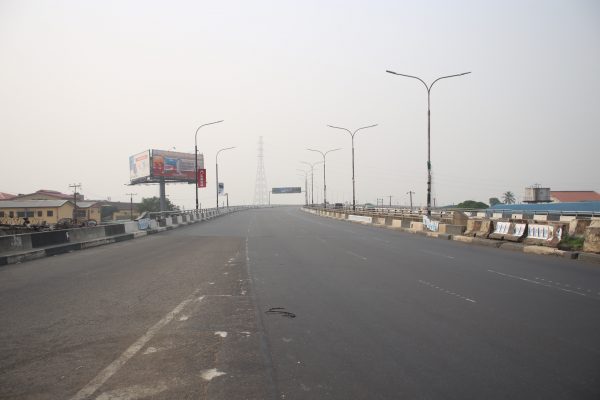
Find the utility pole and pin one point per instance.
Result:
(410, 193)
(75, 186)
(227, 196)
(390, 196)
(131, 203)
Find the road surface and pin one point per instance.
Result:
(281, 304)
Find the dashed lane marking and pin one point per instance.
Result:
(447, 291)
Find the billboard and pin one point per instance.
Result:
(201, 178)
(221, 188)
(139, 166)
(151, 166)
(282, 190)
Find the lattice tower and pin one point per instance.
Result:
(261, 192)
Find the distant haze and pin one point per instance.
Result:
(84, 85)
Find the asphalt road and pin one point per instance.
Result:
(281, 304)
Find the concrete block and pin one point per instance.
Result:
(379, 220)
(112, 230)
(360, 218)
(396, 223)
(577, 227)
(452, 229)
(131, 226)
(15, 243)
(44, 239)
(591, 238)
(416, 226)
(464, 239)
(83, 234)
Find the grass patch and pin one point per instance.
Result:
(571, 243)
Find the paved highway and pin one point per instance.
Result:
(281, 304)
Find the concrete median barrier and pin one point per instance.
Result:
(360, 218)
(548, 235)
(501, 229)
(591, 237)
(452, 229)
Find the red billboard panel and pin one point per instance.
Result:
(201, 178)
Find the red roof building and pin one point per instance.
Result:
(573, 196)
(6, 196)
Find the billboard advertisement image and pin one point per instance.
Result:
(152, 166)
(221, 188)
(139, 166)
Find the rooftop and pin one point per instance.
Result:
(32, 203)
(565, 196)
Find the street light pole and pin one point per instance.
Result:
(305, 185)
(196, 156)
(131, 203)
(217, 170)
(410, 193)
(352, 136)
(312, 180)
(324, 181)
(428, 87)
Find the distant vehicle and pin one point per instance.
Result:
(338, 205)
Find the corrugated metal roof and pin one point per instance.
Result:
(32, 203)
(6, 196)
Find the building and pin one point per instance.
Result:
(116, 210)
(45, 194)
(6, 196)
(573, 196)
(38, 212)
(87, 210)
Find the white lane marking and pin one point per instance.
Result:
(538, 283)
(221, 333)
(113, 367)
(183, 318)
(436, 254)
(356, 255)
(446, 291)
(133, 392)
(210, 374)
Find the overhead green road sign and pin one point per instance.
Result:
(285, 190)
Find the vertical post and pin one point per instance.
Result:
(428, 152)
(217, 174)
(163, 200)
(196, 170)
(227, 195)
(353, 185)
(324, 185)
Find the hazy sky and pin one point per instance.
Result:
(86, 84)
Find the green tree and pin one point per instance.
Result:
(152, 204)
(509, 197)
(494, 201)
(472, 204)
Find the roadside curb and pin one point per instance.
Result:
(510, 246)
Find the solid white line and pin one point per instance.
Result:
(109, 371)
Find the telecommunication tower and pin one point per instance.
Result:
(261, 192)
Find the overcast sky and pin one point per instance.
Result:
(86, 84)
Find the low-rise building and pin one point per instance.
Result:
(14, 212)
(573, 196)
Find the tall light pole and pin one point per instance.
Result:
(410, 193)
(305, 185)
(324, 181)
(352, 136)
(428, 87)
(217, 171)
(196, 156)
(131, 204)
(312, 180)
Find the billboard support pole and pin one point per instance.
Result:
(163, 199)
